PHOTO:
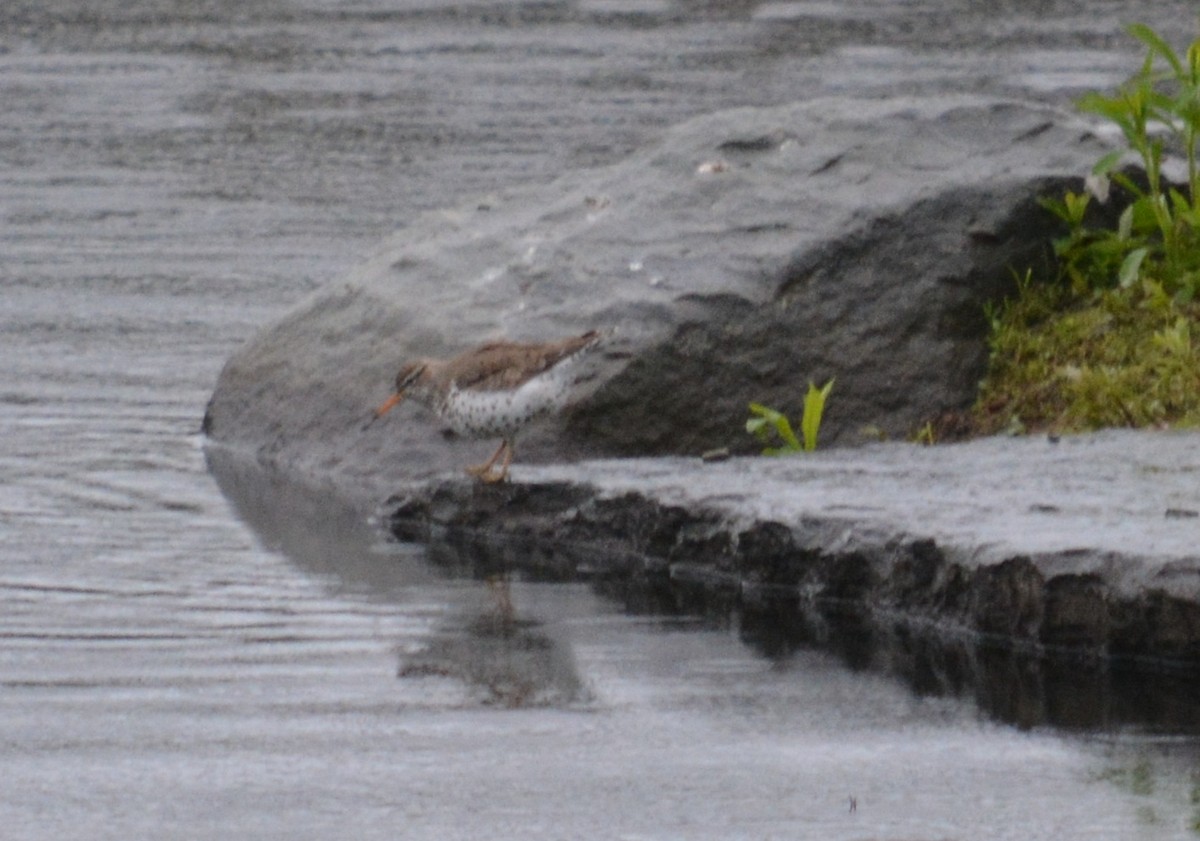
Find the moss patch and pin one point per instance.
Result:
(1069, 363)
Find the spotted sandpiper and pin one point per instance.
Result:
(493, 390)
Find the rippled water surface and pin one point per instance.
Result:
(179, 664)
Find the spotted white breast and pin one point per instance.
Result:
(487, 414)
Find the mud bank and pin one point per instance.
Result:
(1084, 547)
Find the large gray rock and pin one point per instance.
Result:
(747, 253)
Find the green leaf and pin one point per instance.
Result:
(1106, 164)
(785, 432)
(770, 421)
(1077, 206)
(1127, 184)
(1111, 108)
(1157, 45)
(1057, 207)
(1145, 220)
(814, 408)
(1125, 224)
(766, 415)
(1179, 204)
(1153, 155)
(1130, 267)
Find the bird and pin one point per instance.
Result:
(493, 390)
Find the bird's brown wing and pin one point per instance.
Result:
(500, 365)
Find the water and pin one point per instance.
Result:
(174, 664)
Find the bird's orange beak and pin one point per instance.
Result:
(389, 404)
(385, 407)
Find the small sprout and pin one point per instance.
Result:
(814, 410)
(925, 435)
(770, 424)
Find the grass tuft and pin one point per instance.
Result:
(1109, 341)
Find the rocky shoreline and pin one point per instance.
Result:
(1083, 548)
(854, 234)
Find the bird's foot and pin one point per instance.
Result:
(487, 472)
(490, 476)
(487, 467)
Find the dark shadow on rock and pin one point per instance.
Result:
(1032, 657)
(1022, 689)
(749, 582)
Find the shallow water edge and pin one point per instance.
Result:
(1024, 685)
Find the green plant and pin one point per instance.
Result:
(1158, 234)
(1113, 345)
(926, 435)
(769, 424)
(1122, 357)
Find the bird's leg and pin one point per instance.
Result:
(506, 612)
(508, 460)
(494, 476)
(485, 469)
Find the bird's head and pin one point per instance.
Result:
(410, 375)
